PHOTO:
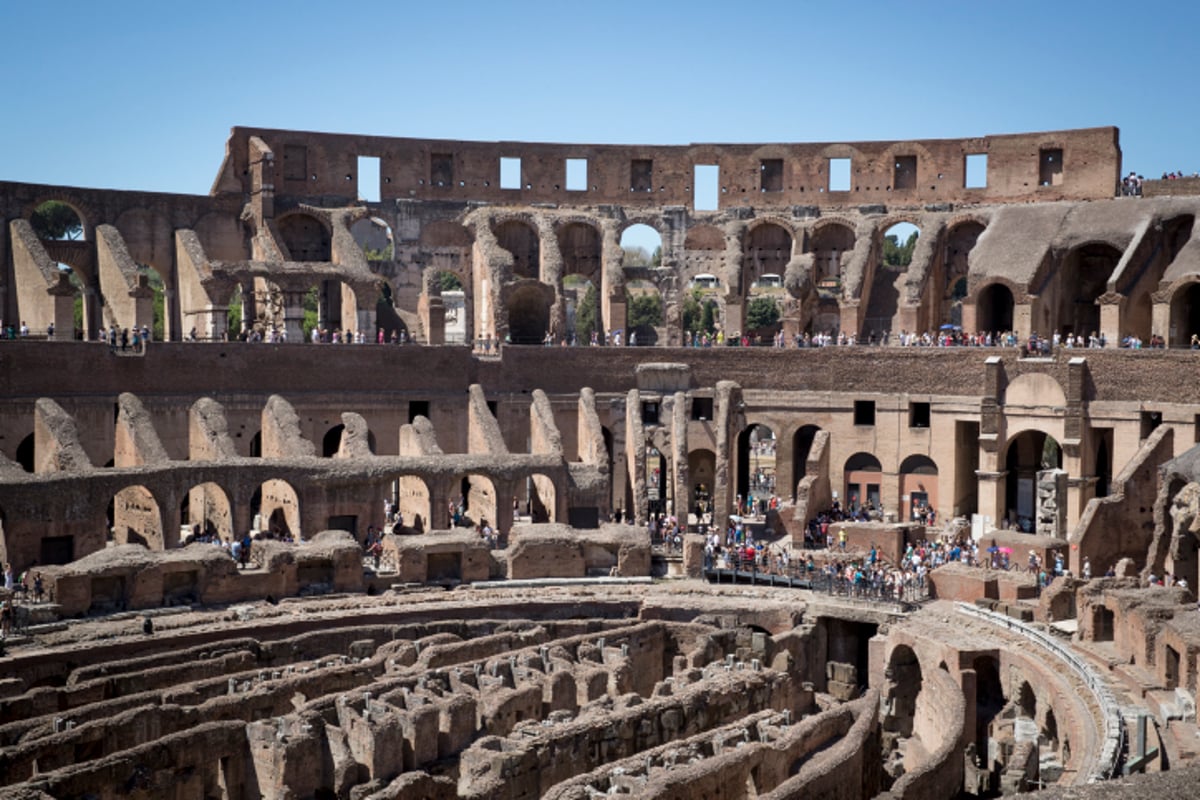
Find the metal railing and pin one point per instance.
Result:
(1114, 725)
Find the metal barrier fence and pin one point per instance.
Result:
(909, 595)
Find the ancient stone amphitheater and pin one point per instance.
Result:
(375, 643)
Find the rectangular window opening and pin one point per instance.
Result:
(904, 176)
(1196, 426)
(577, 180)
(702, 408)
(1150, 421)
(368, 179)
(918, 415)
(641, 175)
(510, 173)
(706, 180)
(441, 169)
(864, 412)
(839, 174)
(1050, 166)
(771, 170)
(295, 162)
(975, 173)
(649, 413)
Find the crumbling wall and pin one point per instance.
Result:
(56, 440)
(281, 436)
(1114, 527)
(208, 432)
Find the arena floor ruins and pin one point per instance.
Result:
(452, 589)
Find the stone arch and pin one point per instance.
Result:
(1025, 454)
(1026, 701)
(331, 442)
(895, 242)
(1084, 276)
(84, 215)
(415, 503)
(635, 231)
(479, 502)
(702, 470)
(520, 239)
(802, 442)
(989, 698)
(757, 446)
(581, 249)
(528, 305)
(994, 306)
(904, 681)
(957, 243)
(541, 496)
(829, 243)
(207, 510)
(862, 481)
(376, 239)
(1185, 311)
(766, 250)
(276, 509)
(918, 483)
(135, 518)
(305, 236)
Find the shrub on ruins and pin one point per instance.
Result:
(55, 219)
(586, 314)
(699, 315)
(761, 313)
(643, 310)
(896, 254)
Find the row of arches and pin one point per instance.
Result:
(135, 514)
(998, 711)
(862, 481)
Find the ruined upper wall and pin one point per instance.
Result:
(1054, 165)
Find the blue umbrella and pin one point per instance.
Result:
(949, 327)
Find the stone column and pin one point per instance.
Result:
(1161, 320)
(679, 456)
(1112, 312)
(293, 314)
(242, 518)
(249, 307)
(505, 491)
(1023, 321)
(991, 494)
(170, 329)
(967, 679)
(441, 491)
(168, 507)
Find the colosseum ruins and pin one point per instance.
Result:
(436, 469)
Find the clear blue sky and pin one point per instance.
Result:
(141, 95)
